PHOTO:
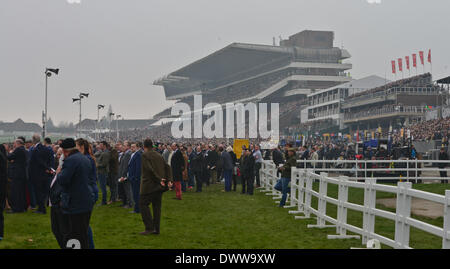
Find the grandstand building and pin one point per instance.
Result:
(396, 104)
(242, 73)
(326, 104)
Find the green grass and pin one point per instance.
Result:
(209, 220)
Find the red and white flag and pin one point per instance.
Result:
(407, 62)
(393, 67)
(421, 57)
(400, 64)
(429, 56)
(414, 58)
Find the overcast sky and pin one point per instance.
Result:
(115, 49)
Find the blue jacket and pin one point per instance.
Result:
(134, 166)
(41, 160)
(74, 179)
(93, 178)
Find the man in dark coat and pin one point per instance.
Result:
(156, 175)
(177, 165)
(3, 181)
(18, 175)
(248, 172)
(40, 167)
(72, 198)
(197, 165)
(124, 159)
(212, 158)
(234, 163)
(134, 174)
(113, 173)
(102, 160)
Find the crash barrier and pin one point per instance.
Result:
(405, 170)
(302, 193)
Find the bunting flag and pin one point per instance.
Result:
(407, 62)
(400, 64)
(421, 57)
(393, 67)
(414, 58)
(429, 56)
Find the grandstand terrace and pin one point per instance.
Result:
(395, 104)
(242, 73)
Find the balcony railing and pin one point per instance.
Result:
(384, 111)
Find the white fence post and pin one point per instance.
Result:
(294, 187)
(308, 196)
(262, 176)
(403, 212)
(446, 235)
(370, 197)
(322, 206)
(341, 232)
(301, 173)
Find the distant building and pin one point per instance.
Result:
(397, 104)
(326, 104)
(20, 126)
(123, 125)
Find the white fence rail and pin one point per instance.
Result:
(301, 198)
(410, 170)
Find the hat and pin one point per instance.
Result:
(68, 144)
(292, 149)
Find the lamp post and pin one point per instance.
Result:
(98, 120)
(111, 115)
(117, 126)
(80, 97)
(48, 73)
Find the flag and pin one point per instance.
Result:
(414, 58)
(407, 62)
(393, 67)
(400, 64)
(429, 56)
(421, 57)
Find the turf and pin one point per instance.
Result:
(209, 220)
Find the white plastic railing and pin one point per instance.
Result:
(301, 197)
(362, 169)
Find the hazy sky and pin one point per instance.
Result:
(115, 49)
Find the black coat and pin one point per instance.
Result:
(277, 157)
(3, 177)
(41, 160)
(443, 156)
(212, 158)
(18, 164)
(248, 167)
(197, 162)
(177, 165)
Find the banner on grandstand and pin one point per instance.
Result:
(421, 57)
(414, 58)
(407, 62)
(400, 64)
(393, 67)
(429, 56)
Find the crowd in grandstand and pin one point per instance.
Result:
(432, 130)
